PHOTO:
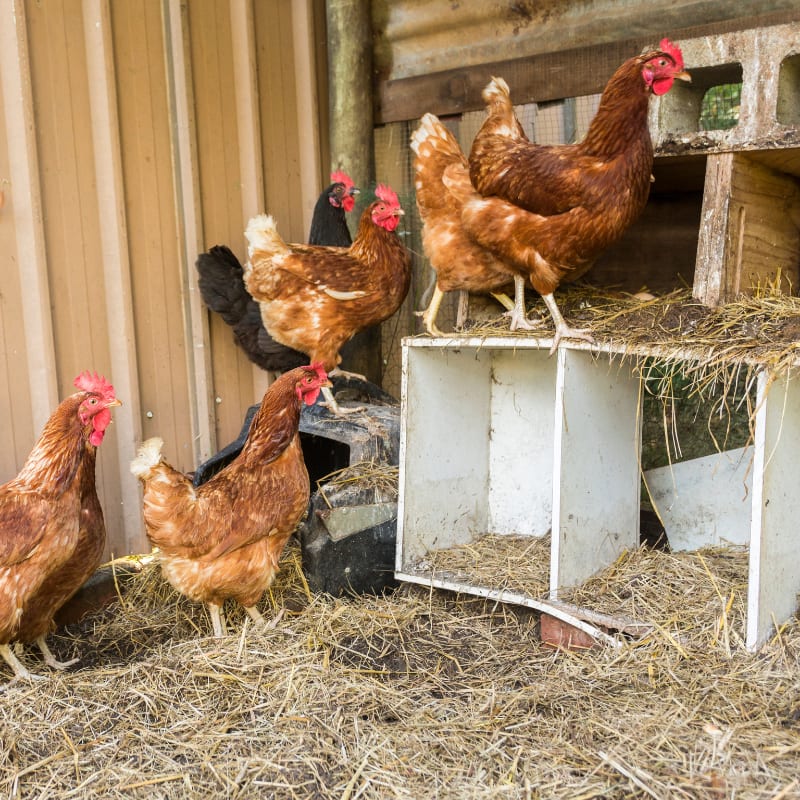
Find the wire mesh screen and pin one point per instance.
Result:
(563, 121)
(720, 107)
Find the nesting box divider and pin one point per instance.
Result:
(774, 574)
(497, 437)
(596, 466)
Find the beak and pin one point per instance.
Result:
(326, 385)
(114, 403)
(353, 191)
(683, 76)
(399, 212)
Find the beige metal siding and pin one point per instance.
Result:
(133, 135)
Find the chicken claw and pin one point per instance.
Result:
(50, 659)
(430, 313)
(258, 618)
(332, 406)
(564, 331)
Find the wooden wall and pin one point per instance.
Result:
(133, 135)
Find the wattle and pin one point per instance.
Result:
(311, 396)
(100, 421)
(390, 223)
(662, 85)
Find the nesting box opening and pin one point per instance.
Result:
(787, 110)
(658, 252)
(709, 102)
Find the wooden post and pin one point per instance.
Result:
(351, 143)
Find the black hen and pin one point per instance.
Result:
(222, 287)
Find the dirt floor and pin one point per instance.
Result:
(420, 694)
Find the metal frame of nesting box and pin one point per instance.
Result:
(498, 437)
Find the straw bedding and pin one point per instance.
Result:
(421, 694)
(429, 694)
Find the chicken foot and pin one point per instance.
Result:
(50, 659)
(431, 312)
(20, 671)
(258, 618)
(563, 330)
(517, 315)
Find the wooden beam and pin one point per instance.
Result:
(26, 208)
(116, 263)
(536, 78)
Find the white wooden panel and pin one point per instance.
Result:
(444, 449)
(520, 491)
(596, 464)
(705, 501)
(774, 578)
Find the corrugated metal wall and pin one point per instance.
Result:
(132, 135)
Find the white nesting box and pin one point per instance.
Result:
(497, 437)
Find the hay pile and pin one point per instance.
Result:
(415, 695)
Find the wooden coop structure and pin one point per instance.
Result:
(550, 448)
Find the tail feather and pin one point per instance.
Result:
(437, 154)
(148, 456)
(221, 283)
(262, 236)
(501, 119)
(496, 93)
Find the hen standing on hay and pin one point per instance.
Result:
(52, 532)
(223, 539)
(550, 211)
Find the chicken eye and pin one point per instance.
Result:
(93, 401)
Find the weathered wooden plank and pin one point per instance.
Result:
(749, 229)
(764, 240)
(556, 71)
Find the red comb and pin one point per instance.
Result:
(94, 383)
(319, 369)
(383, 192)
(342, 177)
(673, 51)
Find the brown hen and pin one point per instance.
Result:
(52, 532)
(315, 298)
(550, 211)
(224, 538)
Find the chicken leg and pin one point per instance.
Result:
(517, 315)
(19, 668)
(217, 620)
